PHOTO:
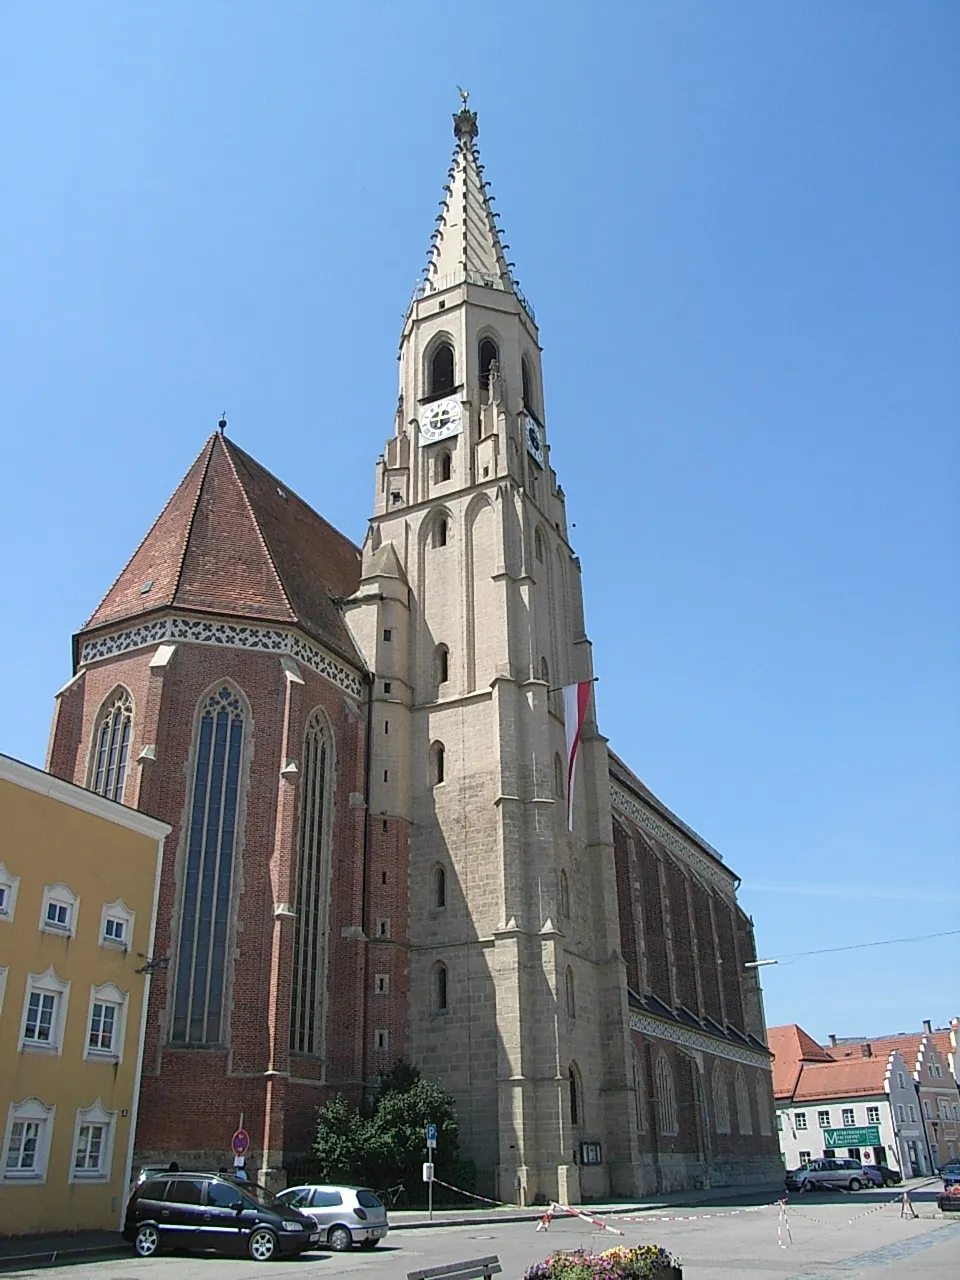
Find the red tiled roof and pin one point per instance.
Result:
(851, 1078)
(908, 1047)
(791, 1046)
(235, 541)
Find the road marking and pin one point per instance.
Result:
(889, 1253)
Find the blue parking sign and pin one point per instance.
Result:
(431, 1135)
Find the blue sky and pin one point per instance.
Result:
(737, 222)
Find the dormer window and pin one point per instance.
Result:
(442, 370)
(116, 925)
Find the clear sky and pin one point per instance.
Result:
(738, 223)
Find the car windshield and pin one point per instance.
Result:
(259, 1195)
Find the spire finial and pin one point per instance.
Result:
(222, 424)
(465, 121)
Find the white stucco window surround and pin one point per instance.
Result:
(44, 1013)
(26, 1142)
(9, 884)
(60, 909)
(106, 1024)
(93, 1144)
(116, 925)
(3, 985)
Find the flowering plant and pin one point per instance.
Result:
(642, 1262)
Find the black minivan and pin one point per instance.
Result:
(210, 1211)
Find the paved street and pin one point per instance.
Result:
(729, 1243)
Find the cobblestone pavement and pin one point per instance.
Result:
(831, 1237)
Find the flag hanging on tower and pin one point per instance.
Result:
(576, 698)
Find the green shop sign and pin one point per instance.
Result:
(868, 1136)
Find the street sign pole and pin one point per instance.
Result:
(431, 1134)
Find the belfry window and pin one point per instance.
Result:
(310, 926)
(439, 887)
(442, 370)
(489, 356)
(437, 764)
(111, 746)
(526, 382)
(208, 872)
(444, 466)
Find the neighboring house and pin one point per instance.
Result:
(865, 1108)
(78, 895)
(930, 1058)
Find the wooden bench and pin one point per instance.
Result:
(477, 1269)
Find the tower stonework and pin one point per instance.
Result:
(482, 624)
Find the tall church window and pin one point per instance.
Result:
(526, 382)
(442, 370)
(564, 895)
(311, 899)
(437, 764)
(108, 768)
(763, 1105)
(441, 530)
(442, 467)
(558, 777)
(721, 1100)
(538, 545)
(439, 887)
(744, 1119)
(489, 355)
(575, 1094)
(666, 1098)
(544, 671)
(570, 992)
(442, 664)
(440, 988)
(208, 873)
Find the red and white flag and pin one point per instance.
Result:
(576, 698)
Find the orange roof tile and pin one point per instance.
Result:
(852, 1078)
(235, 541)
(791, 1047)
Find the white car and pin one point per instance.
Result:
(345, 1215)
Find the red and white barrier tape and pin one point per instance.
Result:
(500, 1204)
(783, 1224)
(554, 1209)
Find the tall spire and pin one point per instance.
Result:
(466, 245)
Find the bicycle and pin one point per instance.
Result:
(391, 1196)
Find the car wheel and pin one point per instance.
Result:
(146, 1242)
(806, 1187)
(263, 1245)
(854, 1184)
(339, 1239)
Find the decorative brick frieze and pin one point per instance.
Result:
(232, 635)
(689, 1039)
(686, 849)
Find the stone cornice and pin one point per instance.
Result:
(179, 629)
(697, 1040)
(707, 867)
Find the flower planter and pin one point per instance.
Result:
(948, 1204)
(644, 1262)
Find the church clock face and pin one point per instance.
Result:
(441, 420)
(534, 439)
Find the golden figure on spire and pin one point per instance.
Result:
(464, 96)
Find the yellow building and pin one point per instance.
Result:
(79, 877)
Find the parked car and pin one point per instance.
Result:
(830, 1175)
(345, 1215)
(881, 1175)
(210, 1211)
(950, 1173)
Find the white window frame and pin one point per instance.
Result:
(118, 911)
(901, 1080)
(11, 885)
(913, 1112)
(108, 994)
(95, 1115)
(927, 1109)
(3, 985)
(844, 1122)
(30, 1109)
(800, 1120)
(901, 1113)
(46, 984)
(381, 1040)
(63, 896)
(873, 1115)
(824, 1123)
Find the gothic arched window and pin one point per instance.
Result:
(441, 529)
(437, 763)
(111, 739)
(666, 1098)
(442, 370)
(538, 545)
(564, 895)
(576, 1095)
(442, 664)
(488, 355)
(198, 1003)
(443, 466)
(526, 382)
(570, 992)
(310, 902)
(721, 1101)
(439, 887)
(744, 1119)
(440, 988)
(763, 1105)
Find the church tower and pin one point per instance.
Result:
(470, 616)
